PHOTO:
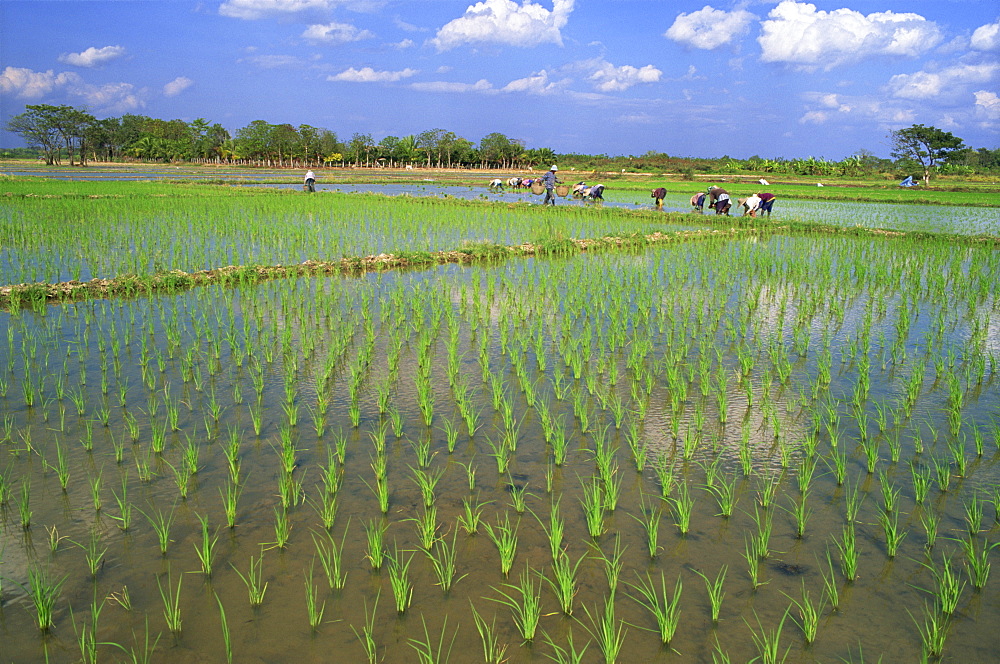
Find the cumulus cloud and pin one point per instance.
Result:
(539, 83)
(93, 57)
(28, 84)
(986, 37)
(335, 33)
(946, 82)
(369, 75)
(814, 117)
(506, 22)
(609, 78)
(254, 9)
(116, 97)
(482, 85)
(987, 104)
(406, 43)
(177, 86)
(709, 28)
(797, 34)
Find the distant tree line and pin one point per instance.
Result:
(65, 132)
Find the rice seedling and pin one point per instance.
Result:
(682, 505)
(161, 524)
(933, 632)
(93, 554)
(977, 564)
(768, 490)
(853, 500)
(761, 539)
(650, 521)
(282, 528)
(471, 516)
(725, 496)
(974, 513)
(442, 558)
(606, 631)
(809, 614)
(893, 535)
(849, 553)
(426, 652)
(831, 591)
(715, 591)
(664, 607)
(518, 496)
(593, 506)
(206, 549)
(948, 587)
(943, 473)
(527, 609)
(44, 592)
(921, 475)
(314, 613)
(768, 642)
(367, 635)
(171, 601)
(426, 481)
(254, 580)
(564, 581)
(504, 537)
(226, 638)
(613, 563)
(494, 652)
(375, 538)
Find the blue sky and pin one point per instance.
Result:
(776, 79)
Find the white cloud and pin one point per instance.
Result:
(797, 34)
(814, 117)
(177, 86)
(254, 9)
(116, 97)
(369, 75)
(335, 33)
(406, 43)
(27, 84)
(709, 28)
(481, 85)
(609, 78)
(987, 104)
(274, 61)
(949, 81)
(506, 22)
(536, 84)
(986, 37)
(93, 57)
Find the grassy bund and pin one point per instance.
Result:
(240, 423)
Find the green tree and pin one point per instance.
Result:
(50, 128)
(927, 146)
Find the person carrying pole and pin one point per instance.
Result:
(549, 181)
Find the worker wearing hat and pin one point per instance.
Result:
(549, 180)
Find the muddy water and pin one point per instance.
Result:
(589, 315)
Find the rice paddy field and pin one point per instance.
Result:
(774, 441)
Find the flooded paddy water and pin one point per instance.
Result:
(515, 460)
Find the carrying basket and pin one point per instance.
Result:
(562, 190)
(537, 188)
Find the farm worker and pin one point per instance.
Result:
(719, 199)
(496, 184)
(310, 182)
(698, 201)
(766, 202)
(596, 193)
(751, 205)
(579, 189)
(549, 181)
(659, 194)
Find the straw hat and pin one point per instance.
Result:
(554, 168)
